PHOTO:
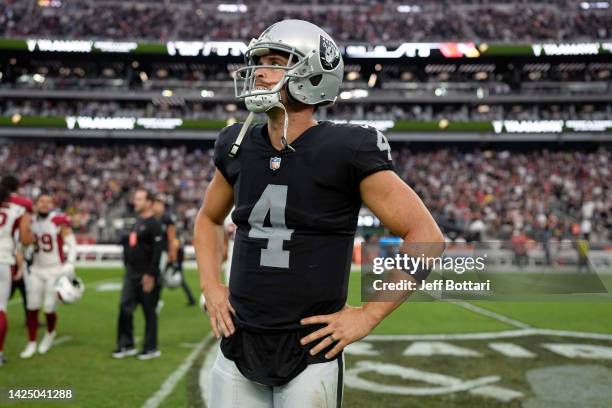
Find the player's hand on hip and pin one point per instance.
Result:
(148, 282)
(342, 328)
(220, 310)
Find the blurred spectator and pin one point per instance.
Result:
(92, 183)
(340, 111)
(509, 190)
(346, 21)
(476, 193)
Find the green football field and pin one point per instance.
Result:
(432, 354)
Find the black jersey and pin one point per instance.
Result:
(166, 220)
(296, 215)
(142, 247)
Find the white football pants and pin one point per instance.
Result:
(6, 279)
(319, 385)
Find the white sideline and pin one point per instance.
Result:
(168, 386)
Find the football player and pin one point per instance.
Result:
(173, 252)
(54, 256)
(15, 220)
(297, 185)
(11, 183)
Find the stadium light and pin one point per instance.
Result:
(167, 93)
(207, 94)
(404, 8)
(354, 94)
(585, 5)
(38, 78)
(232, 8)
(440, 91)
(50, 3)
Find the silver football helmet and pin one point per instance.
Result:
(314, 72)
(312, 76)
(172, 276)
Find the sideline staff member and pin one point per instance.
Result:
(142, 250)
(172, 246)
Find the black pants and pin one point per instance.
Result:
(184, 285)
(132, 295)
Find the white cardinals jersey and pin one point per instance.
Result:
(49, 245)
(10, 216)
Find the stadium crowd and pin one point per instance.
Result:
(471, 112)
(366, 21)
(492, 193)
(475, 192)
(344, 111)
(93, 183)
(500, 78)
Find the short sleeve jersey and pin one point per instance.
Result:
(296, 216)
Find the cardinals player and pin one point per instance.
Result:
(49, 262)
(11, 183)
(14, 219)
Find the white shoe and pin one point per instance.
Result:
(29, 350)
(46, 342)
(148, 355)
(123, 352)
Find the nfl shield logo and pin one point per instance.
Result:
(275, 163)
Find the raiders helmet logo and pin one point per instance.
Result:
(329, 54)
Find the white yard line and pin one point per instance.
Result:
(488, 335)
(486, 390)
(168, 386)
(485, 312)
(61, 340)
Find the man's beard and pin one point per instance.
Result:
(43, 215)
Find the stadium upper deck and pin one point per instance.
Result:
(362, 21)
